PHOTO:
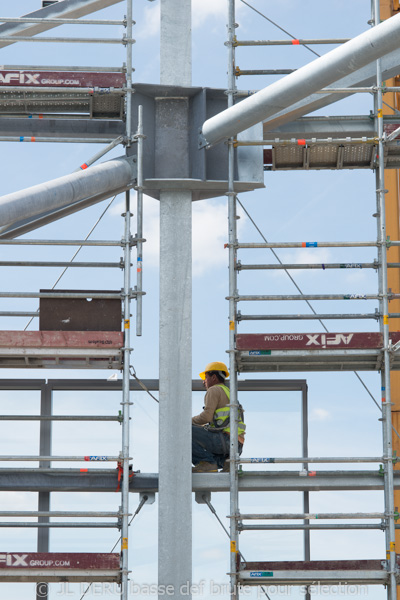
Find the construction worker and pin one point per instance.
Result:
(210, 429)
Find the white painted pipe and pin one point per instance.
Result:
(64, 191)
(323, 71)
(366, 76)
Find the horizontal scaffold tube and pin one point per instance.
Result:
(317, 317)
(312, 516)
(73, 9)
(65, 191)
(93, 458)
(262, 527)
(312, 297)
(63, 524)
(323, 266)
(252, 245)
(311, 78)
(290, 42)
(318, 459)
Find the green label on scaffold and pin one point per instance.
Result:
(261, 574)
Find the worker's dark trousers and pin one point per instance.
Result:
(209, 447)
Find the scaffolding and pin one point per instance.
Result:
(107, 93)
(78, 328)
(271, 352)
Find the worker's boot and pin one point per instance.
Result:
(225, 468)
(205, 467)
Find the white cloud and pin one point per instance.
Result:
(149, 26)
(209, 236)
(205, 9)
(320, 414)
(202, 10)
(210, 233)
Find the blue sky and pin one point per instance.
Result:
(303, 206)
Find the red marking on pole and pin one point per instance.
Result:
(303, 244)
(301, 142)
(87, 457)
(33, 139)
(84, 470)
(312, 473)
(296, 42)
(40, 116)
(84, 166)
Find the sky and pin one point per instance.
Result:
(302, 206)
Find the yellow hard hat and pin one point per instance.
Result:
(215, 366)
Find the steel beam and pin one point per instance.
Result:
(106, 480)
(365, 76)
(324, 71)
(71, 9)
(58, 127)
(322, 127)
(31, 203)
(98, 385)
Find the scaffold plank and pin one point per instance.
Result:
(313, 352)
(315, 565)
(61, 339)
(61, 349)
(309, 572)
(59, 566)
(37, 78)
(310, 341)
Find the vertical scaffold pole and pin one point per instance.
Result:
(126, 400)
(233, 454)
(129, 30)
(126, 295)
(384, 324)
(139, 216)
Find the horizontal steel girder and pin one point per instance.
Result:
(62, 128)
(105, 480)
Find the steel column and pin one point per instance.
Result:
(175, 478)
(175, 485)
(43, 534)
(176, 40)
